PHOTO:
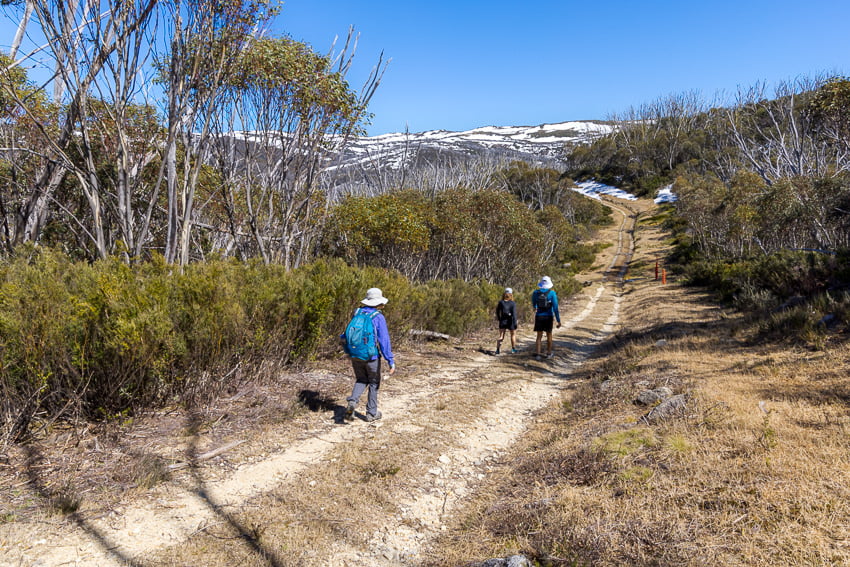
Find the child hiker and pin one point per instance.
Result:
(506, 316)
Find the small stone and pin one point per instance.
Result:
(669, 408)
(652, 397)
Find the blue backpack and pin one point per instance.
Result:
(360, 341)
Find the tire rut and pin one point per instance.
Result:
(520, 387)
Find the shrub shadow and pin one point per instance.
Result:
(65, 500)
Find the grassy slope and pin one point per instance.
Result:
(755, 473)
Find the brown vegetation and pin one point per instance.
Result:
(754, 471)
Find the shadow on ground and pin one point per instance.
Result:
(66, 500)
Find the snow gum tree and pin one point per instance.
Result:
(82, 39)
(206, 40)
(175, 126)
(284, 111)
(766, 172)
(392, 230)
(22, 128)
(828, 111)
(460, 233)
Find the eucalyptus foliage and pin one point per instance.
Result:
(754, 177)
(142, 146)
(459, 233)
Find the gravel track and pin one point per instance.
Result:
(176, 512)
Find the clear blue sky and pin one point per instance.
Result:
(458, 64)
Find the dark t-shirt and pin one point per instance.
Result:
(506, 314)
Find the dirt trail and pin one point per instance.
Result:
(519, 385)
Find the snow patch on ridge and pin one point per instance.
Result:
(594, 189)
(542, 142)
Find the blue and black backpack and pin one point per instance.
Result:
(360, 341)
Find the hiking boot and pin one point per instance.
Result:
(349, 411)
(550, 355)
(514, 351)
(370, 418)
(497, 350)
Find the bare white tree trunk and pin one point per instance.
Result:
(22, 29)
(285, 147)
(81, 41)
(200, 56)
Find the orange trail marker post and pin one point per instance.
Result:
(663, 276)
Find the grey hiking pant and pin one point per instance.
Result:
(366, 373)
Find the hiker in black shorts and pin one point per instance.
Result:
(545, 303)
(506, 316)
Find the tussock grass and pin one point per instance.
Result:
(64, 499)
(146, 470)
(756, 473)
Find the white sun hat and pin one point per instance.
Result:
(374, 297)
(545, 283)
(508, 290)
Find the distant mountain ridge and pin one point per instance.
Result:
(543, 144)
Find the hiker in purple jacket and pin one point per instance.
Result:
(367, 373)
(545, 303)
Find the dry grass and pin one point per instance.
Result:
(757, 473)
(91, 468)
(340, 502)
(754, 473)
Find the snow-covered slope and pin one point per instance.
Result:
(541, 143)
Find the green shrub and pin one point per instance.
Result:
(103, 340)
(783, 275)
(467, 234)
(792, 293)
